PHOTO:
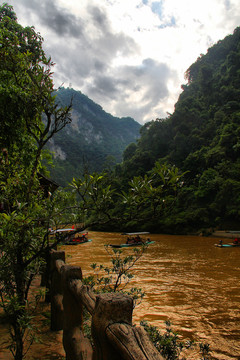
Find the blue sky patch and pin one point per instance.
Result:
(157, 8)
(171, 23)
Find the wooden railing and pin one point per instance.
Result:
(114, 336)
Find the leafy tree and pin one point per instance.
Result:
(169, 344)
(117, 276)
(26, 96)
(106, 204)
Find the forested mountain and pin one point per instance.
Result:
(93, 140)
(202, 138)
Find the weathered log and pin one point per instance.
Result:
(132, 342)
(56, 292)
(110, 308)
(76, 346)
(84, 294)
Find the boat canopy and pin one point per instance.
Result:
(61, 230)
(136, 233)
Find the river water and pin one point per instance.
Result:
(186, 280)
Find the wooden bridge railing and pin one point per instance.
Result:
(114, 336)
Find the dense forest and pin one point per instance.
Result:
(201, 138)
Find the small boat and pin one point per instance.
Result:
(132, 245)
(227, 245)
(71, 239)
(76, 239)
(61, 234)
(235, 243)
(134, 239)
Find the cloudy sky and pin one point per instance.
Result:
(129, 56)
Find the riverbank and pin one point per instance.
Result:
(225, 234)
(48, 344)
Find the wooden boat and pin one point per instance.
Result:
(76, 239)
(132, 245)
(227, 245)
(61, 234)
(134, 239)
(235, 243)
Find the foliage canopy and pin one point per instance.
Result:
(201, 138)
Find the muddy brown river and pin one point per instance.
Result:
(186, 280)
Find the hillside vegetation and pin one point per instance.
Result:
(201, 138)
(93, 140)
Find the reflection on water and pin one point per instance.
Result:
(187, 280)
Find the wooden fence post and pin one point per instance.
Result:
(76, 346)
(132, 342)
(110, 308)
(56, 291)
(113, 335)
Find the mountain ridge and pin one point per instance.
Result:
(92, 140)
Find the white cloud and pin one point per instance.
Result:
(128, 56)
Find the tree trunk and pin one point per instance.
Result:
(19, 343)
(19, 329)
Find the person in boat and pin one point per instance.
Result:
(137, 239)
(236, 241)
(84, 238)
(220, 242)
(130, 240)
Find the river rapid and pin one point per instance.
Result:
(186, 280)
